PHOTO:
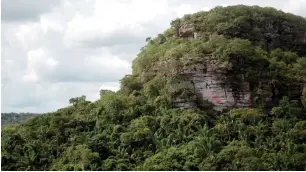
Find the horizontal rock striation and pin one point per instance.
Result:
(215, 86)
(209, 82)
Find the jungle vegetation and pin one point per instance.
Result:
(139, 127)
(14, 118)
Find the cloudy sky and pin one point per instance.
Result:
(53, 50)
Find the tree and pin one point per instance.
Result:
(303, 98)
(176, 24)
(148, 39)
(78, 100)
(79, 157)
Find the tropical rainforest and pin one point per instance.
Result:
(14, 118)
(139, 127)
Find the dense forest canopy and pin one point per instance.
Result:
(14, 118)
(140, 128)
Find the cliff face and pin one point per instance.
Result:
(215, 86)
(232, 57)
(210, 83)
(225, 90)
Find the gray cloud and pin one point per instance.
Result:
(42, 98)
(85, 72)
(122, 38)
(25, 10)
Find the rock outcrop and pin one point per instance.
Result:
(211, 81)
(223, 94)
(216, 86)
(224, 90)
(187, 30)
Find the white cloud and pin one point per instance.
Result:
(113, 63)
(28, 33)
(38, 64)
(113, 86)
(49, 24)
(38, 59)
(39, 98)
(112, 22)
(105, 22)
(184, 9)
(296, 6)
(31, 76)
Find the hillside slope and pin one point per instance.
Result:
(15, 118)
(219, 90)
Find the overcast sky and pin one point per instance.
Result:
(53, 50)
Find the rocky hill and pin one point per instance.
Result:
(219, 90)
(229, 55)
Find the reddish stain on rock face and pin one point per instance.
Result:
(216, 99)
(211, 85)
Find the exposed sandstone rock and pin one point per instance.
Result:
(214, 83)
(187, 30)
(220, 93)
(185, 103)
(210, 82)
(214, 86)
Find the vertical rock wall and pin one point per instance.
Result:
(219, 88)
(216, 85)
(222, 95)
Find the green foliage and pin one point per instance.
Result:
(77, 158)
(140, 128)
(288, 109)
(129, 84)
(247, 115)
(78, 100)
(15, 118)
(303, 98)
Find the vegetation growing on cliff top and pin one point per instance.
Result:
(139, 128)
